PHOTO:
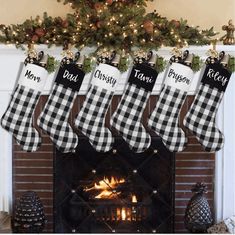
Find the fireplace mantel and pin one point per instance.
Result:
(11, 63)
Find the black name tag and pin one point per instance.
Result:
(70, 76)
(143, 76)
(217, 76)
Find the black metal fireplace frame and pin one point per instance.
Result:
(62, 229)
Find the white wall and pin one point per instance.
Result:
(204, 13)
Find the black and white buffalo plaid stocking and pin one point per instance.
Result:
(18, 117)
(54, 117)
(91, 118)
(200, 119)
(164, 119)
(127, 117)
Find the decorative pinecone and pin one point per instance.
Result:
(198, 215)
(28, 214)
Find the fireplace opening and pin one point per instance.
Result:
(117, 200)
(118, 191)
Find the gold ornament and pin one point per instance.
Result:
(228, 39)
(32, 53)
(176, 52)
(140, 54)
(212, 53)
(68, 52)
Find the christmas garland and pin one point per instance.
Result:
(119, 25)
(116, 24)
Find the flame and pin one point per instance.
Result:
(107, 186)
(123, 214)
(134, 199)
(107, 194)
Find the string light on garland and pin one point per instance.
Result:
(127, 22)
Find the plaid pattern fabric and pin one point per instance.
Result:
(54, 118)
(18, 118)
(127, 118)
(91, 118)
(200, 119)
(164, 119)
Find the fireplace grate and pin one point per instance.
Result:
(114, 212)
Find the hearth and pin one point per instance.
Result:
(118, 191)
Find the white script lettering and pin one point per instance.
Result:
(217, 77)
(142, 77)
(70, 76)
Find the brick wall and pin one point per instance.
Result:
(34, 171)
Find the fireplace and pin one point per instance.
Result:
(118, 191)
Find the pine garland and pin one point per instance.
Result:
(117, 24)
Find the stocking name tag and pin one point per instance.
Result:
(179, 76)
(33, 76)
(70, 76)
(143, 76)
(106, 76)
(217, 76)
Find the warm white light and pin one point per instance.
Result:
(123, 214)
(134, 199)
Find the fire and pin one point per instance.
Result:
(123, 214)
(134, 199)
(107, 187)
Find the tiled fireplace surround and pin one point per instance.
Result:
(34, 171)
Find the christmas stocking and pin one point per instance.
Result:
(164, 119)
(200, 119)
(18, 117)
(54, 117)
(127, 118)
(91, 118)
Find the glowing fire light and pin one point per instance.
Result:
(134, 199)
(107, 187)
(123, 214)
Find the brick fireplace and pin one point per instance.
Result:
(34, 171)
